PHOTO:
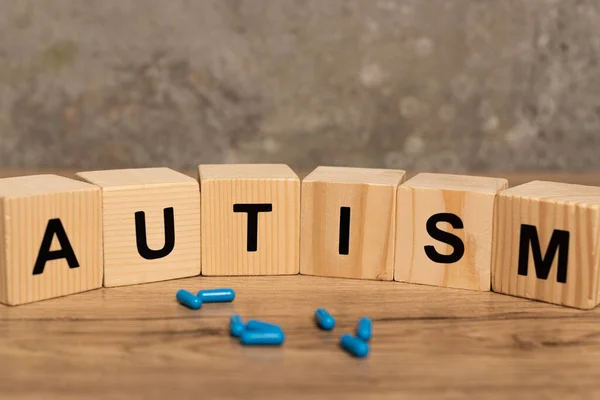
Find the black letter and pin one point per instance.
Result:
(252, 210)
(558, 242)
(140, 235)
(445, 237)
(344, 247)
(54, 227)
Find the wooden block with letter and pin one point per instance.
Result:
(50, 238)
(444, 235)
(250, 219)
(348, 222)
(151, 224)
(546, 243)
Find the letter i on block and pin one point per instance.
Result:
(50, 238)
(444, 230)
(348, 222)
(151, 224)
(250, 219)
(546, 241)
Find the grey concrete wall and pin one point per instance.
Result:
(437, 85)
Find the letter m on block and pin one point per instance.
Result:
(559, 243)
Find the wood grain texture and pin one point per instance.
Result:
(469, 198)
(3, 263)
(549, 206)
(150, 190)
(371, 196)
(429, 342)
(514, 178)
(27, 204)
(225, 233)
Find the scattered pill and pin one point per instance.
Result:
(236, 325)
(355, 346)
(217, 295)
(364, 328)
(255, 325)
(264, 338)
(324, 319)
(188, 299)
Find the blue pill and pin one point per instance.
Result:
(364, 329)
(255, 325)
(217, 295)
(324, 319)
(188, 299)
(355, 346)
(262, 338)
(236, 325)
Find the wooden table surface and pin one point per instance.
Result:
(137, 343)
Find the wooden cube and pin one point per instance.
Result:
(50, 238)
(250, 219)
(546, 241)
(151, 224)
(444, 235)
(348, 222)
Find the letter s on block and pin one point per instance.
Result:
(445, 237)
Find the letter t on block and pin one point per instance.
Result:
(250, 219)
(348, 222)
(444, 235)
(546, 241)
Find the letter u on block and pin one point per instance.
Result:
(151, 224)
(348, 222)
(546, 241)
(250, 219)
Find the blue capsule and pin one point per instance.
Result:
(188, 299)
(364, 329)
(355, 346)
(236, 325)
(324, 319)
(260, 326)
(217, 295)
(262, 338)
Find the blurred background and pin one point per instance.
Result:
(428, 85)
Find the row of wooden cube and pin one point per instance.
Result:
(122, 227)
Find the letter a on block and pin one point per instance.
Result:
(55, 229)
(348, 222)
(444, 235)
(250, 219)
(546, 241)
(50, 238)
(151, 224)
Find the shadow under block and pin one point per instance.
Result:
(151, 224)
(250, 219)
(444, 230)
(546, 243)
(50, 238)
(348, 222)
